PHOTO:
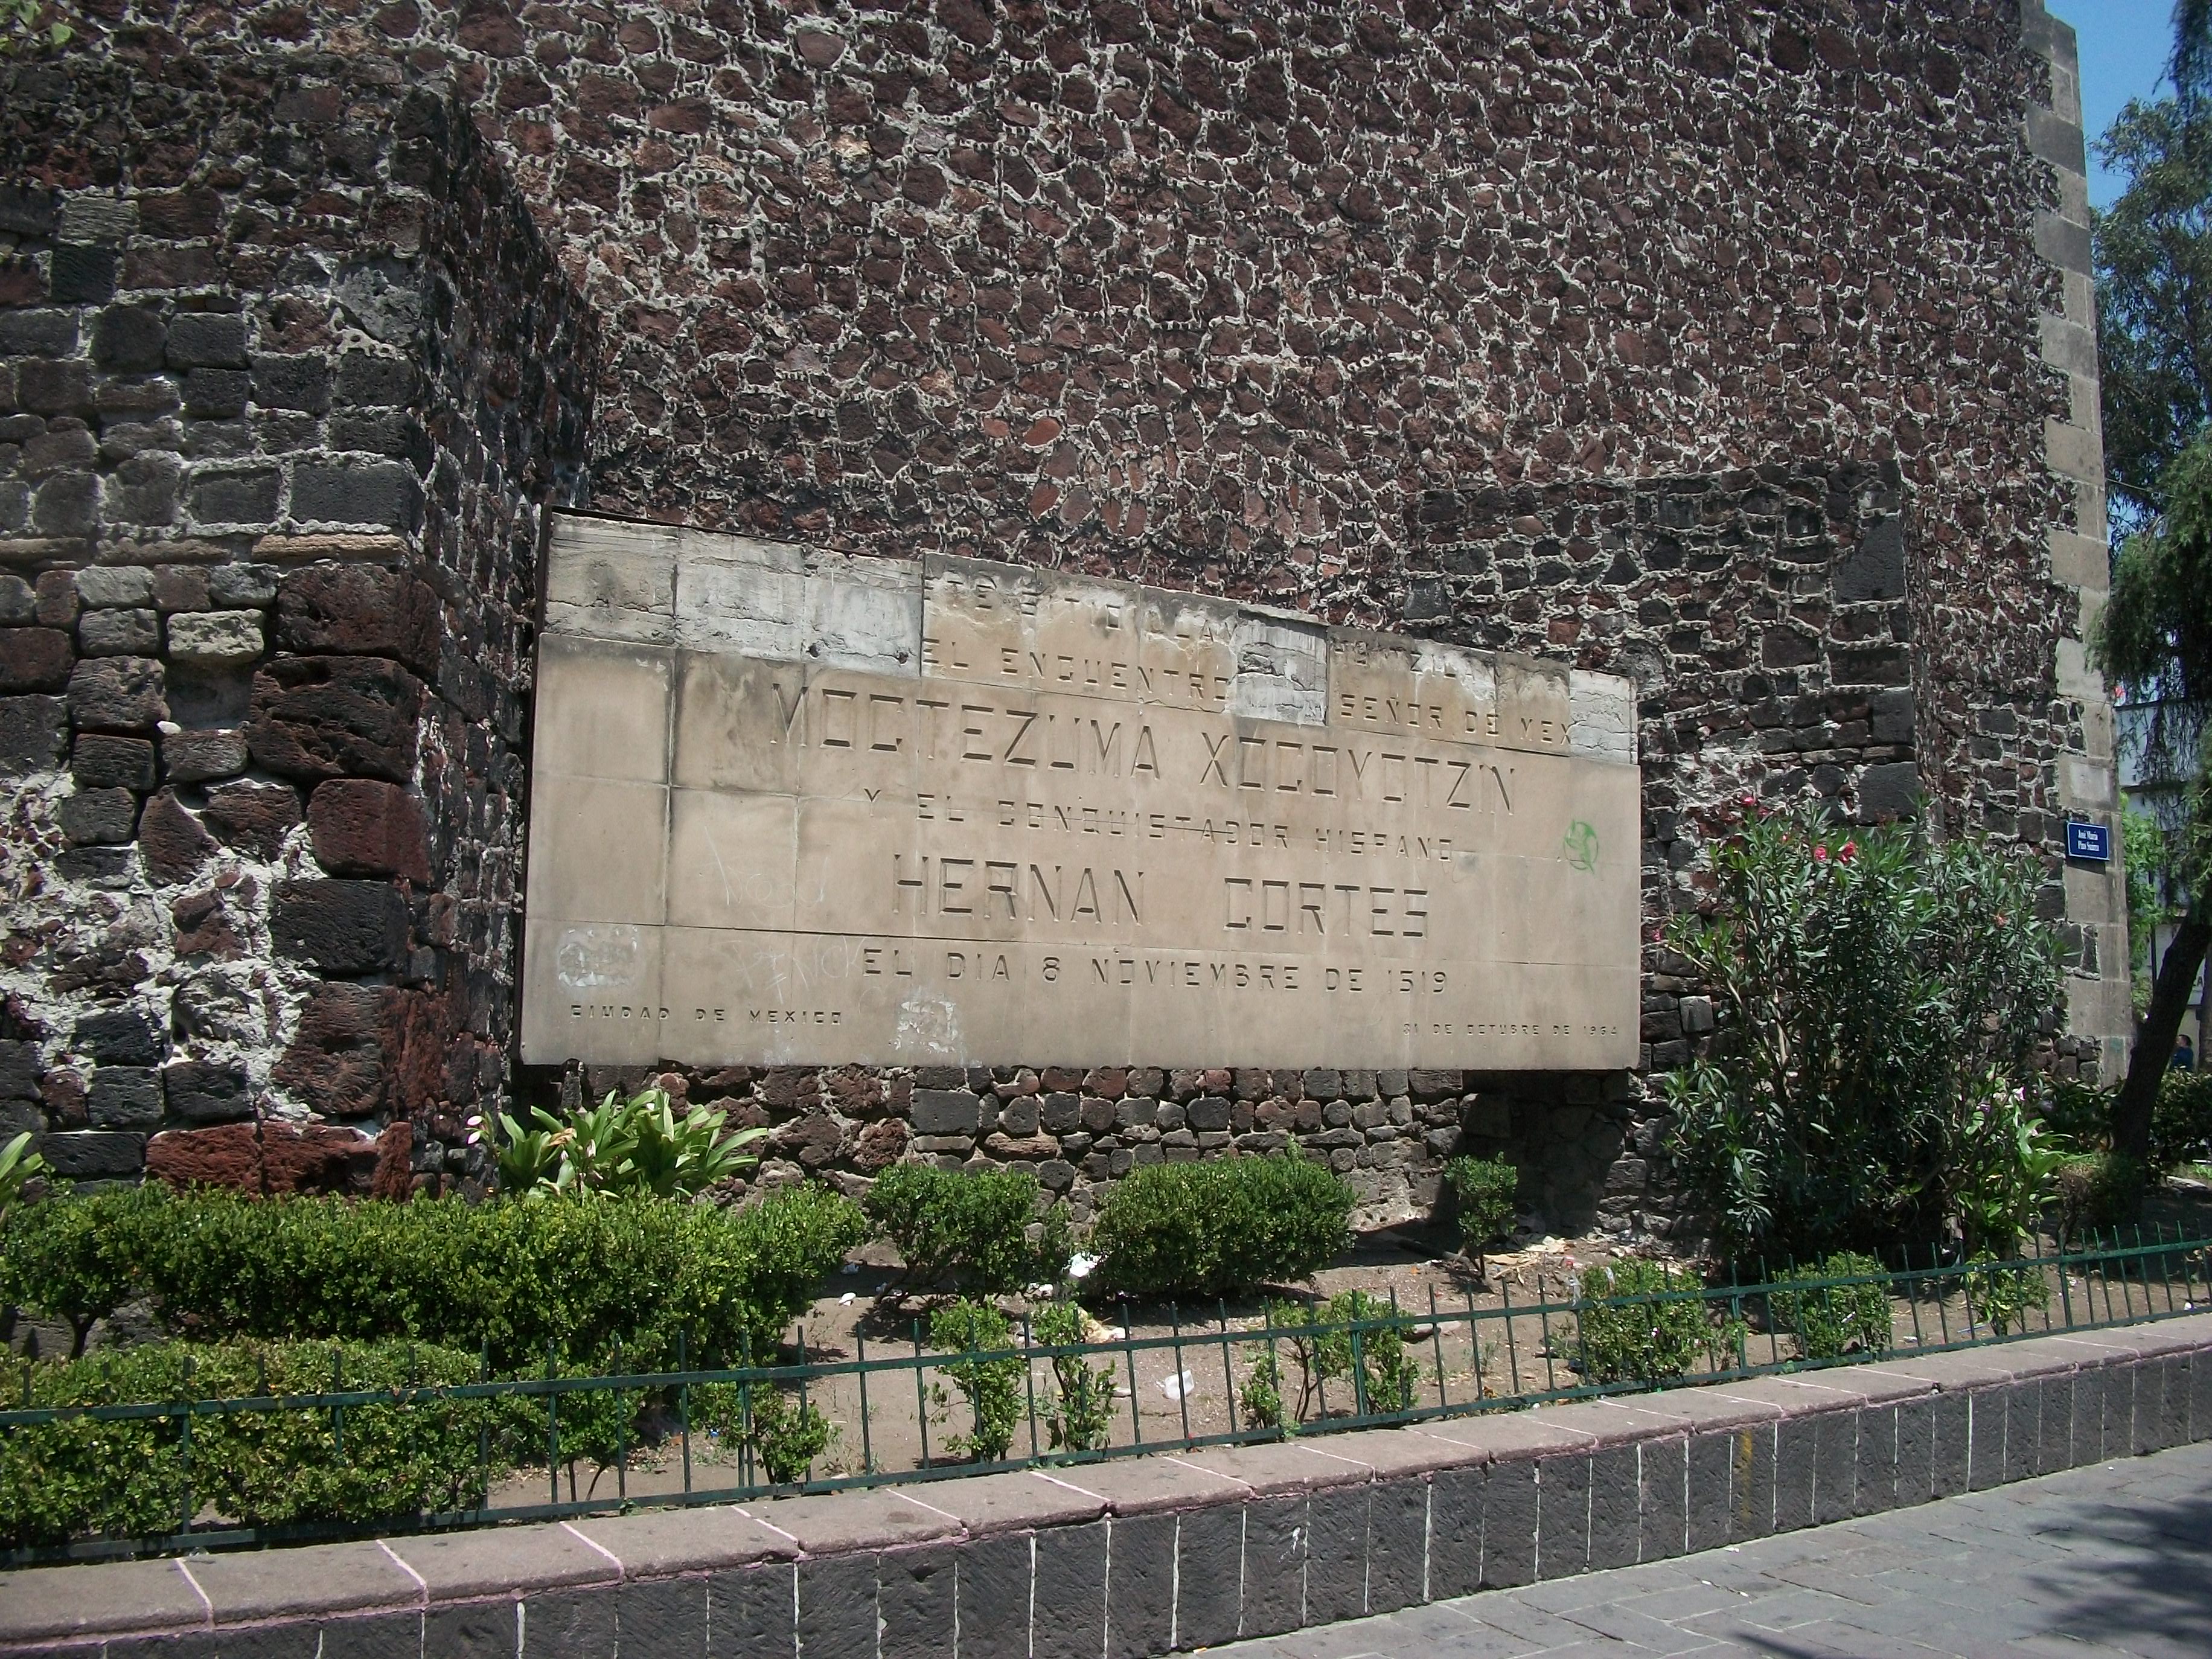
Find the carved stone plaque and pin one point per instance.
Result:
(797, 808)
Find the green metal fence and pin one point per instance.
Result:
(902, 1412)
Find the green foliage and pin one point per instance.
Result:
(2094, 1190)
(1484, 1188)
(1080, 1417)
(521, 1277)
(1649, 1340)
(1867, 990)
(2181, 1120)
(786, 1436)
(617, 1148)
(1222, 1224)
(2006, 1169)
(2079, 1114)
(31, 26)
(970, 1228)
(129, 1478)
(1260, 1400)
(74, 1259)
(992, 1387)
(1831, 1321)
(1381, 1363)
(19, 1167)
(2000, 1293)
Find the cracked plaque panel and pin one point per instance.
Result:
(797, 808)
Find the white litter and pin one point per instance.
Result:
(1178, 1386)
(845, 1300)
(1079, 1265)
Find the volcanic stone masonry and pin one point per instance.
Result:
(1743, 351)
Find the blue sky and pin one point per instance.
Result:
(2124, 46)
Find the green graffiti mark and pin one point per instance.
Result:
(1581, 842)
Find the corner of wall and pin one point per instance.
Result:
(2099, 1010)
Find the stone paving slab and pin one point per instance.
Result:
(2115, 1558)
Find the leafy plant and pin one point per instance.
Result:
(1831, 1321)
(785, 1435)
(2007, 1168)
(1221, 1224)
(28, 25)
(1664, 1330)
(992, 1386)
(1869, 990)
(1260, 1398)
(1484, 1189)
(2181, 1120)
(618, 1147)
(375, 1463)
(1381, 1361)
(75, 1259)
(2000, 1293)
(2096, 1190)
(2079, 1114)
(19, 1166)
(970, 1228)
(1081, 1417)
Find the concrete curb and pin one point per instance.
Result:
(1166, 1553)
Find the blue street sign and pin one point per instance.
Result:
(2091, 842)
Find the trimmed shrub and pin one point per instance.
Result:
(519, 1278)
(992, 1387)
(2181, 1120)
(1646, 1341)
(1834, 1320)
(970, 1228)
(1207, 1228)
(1483, 1188)
(129, 1478)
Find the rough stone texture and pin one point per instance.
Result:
(1699, 345)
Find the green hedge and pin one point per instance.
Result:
(968, 1226)
(1205, 1229)
(517, 1278)
(83, 1477)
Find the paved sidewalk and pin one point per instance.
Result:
(2113, 1559)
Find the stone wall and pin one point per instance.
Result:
(290, 376)
(1702, 344)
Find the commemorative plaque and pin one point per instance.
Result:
(791, 807)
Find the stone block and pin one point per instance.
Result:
(1889, 792)
(1615, 1504)
(1071, 1583)
(171, 840)
(302, 383)
(120, 1037)
(1796, 1443)
(199, 1091)
(215, 638)
(83, 274)
(1208, 1591)
(247, 495)
(751, 1612)
(1915, 1451)
(241, 587)
(1835, 1466)
(40, 333)
(360, 827)
(98, 818)
(1751, 1483)
(340, 927)
(2023, 1437)
(207, 340)
(321, 717)
(1950, 1446)
(1141, 1586)
(1397, 1545)
(117, 694)
(336, 1061)
(128, 339)
(1275, 1538)
(1876, 1491)
(1509, 1504)
(994, 1597)
(386, 494)
(664, 1619)
(254, 817)
(355, 610)
(125, 1097)
(1985, 1437)
(946, 1112)
(107, 763)
(379, 1636)
(119, 633)
(568, 1625)
(1336, 1556)
(19, 1069)
(1662, 1508)
(2054, 1421)
(33, 729)
(94, 1155)
(1709, 1500)
(474, 1630)
(202, 757)
(35, 660)
(1563, 1516)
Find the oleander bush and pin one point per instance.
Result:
(518, 1281)
(82, 1477)
(970, 1228)
(2181, 1120)
(1830, 1320)
(1483, 1189)
(1223, 1224)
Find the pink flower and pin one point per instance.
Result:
(1848, 849)
(1819, 855)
